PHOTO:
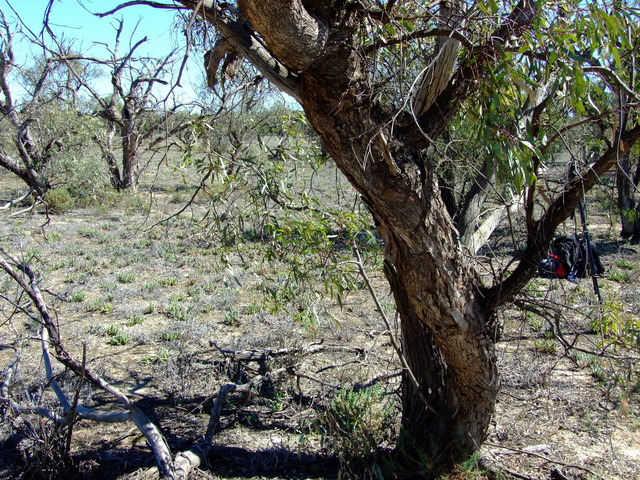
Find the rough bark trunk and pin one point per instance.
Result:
(627, 204)
(443, 417)
(106, 147)
(130, 154)
(473, 205)
(444, 329)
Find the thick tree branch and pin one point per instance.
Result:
(14, 167)
(435, 116)
(139, 2)
(248, 44)
(437, 73)
(295, 36)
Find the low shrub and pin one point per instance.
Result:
(59, 200)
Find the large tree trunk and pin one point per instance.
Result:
(447, 399)
(130, 154)
(628, 206)
(445, 331)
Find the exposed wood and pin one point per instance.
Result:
(249, 45)
(260, 355)
(442, 64)
(15, 201)
(479, 238)
(222, 52)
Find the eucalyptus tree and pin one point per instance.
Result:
(628, 171)
(385, 84)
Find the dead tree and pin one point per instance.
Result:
(135, 117)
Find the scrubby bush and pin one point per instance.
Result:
(359, 422)
(59, 200)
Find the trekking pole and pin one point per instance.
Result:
(572, 172)
(589, 252)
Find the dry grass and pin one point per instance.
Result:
(160, 310)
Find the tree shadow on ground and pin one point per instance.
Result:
(108, 463)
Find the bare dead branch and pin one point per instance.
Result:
(156, 441)
(545, 458)
(15, 201)
(32, 289)
(222, 52)
(248, 43)
(259, 355)
(11, 369)
(148, 3)
(214, 417)
(50, 336)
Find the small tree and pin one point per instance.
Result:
(134, 115)
(45, 134)
(26, 153)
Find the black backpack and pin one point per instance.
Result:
(568, 258)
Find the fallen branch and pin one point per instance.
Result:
(261, 355)
(216, 410)
(15, 201)
(32, 289)
(28, 209)
(50, 336)
(545, 458)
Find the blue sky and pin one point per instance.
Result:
(73, 19)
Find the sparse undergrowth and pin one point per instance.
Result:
(170, 314)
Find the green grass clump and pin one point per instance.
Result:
(169, 336)
(168, 282)
(546, 346)
(359, 422)
(59, 200)
(179, 312)
(78, 296)
(99, 305)
(620, 276)
(120, 339)
(126, 277)
(625, 264)
(135, 320)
